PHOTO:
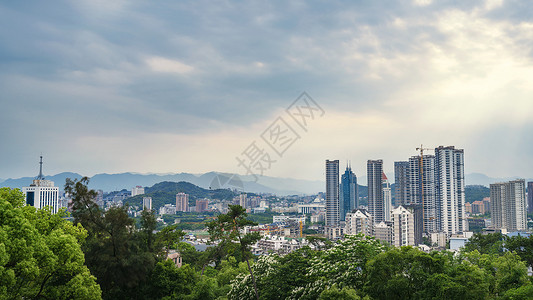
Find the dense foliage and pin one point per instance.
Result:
(361, 267)
(40, 253)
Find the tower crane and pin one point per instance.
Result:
(421, 167)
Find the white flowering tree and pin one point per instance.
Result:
(305, 274)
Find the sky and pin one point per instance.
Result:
(190, 86)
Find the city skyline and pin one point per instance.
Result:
(101, 87)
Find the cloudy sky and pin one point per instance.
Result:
(176, 86)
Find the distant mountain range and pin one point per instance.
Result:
(214, 180)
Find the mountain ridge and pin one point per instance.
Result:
(265, 184)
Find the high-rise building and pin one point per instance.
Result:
(450, 187)
(42, 192)
(401, 181)
(359, 221)
(147, 203)
(332, 193)
(243, 201)
(348, 193)
(387, 198)
(508, 205)
(201, 205)
(182, 202)
(530, 197)
(375, 190)
(138, 190)
(422, 190)
(403, 223)
(416, 210)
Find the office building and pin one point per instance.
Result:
(348, 193)
(376, 206)
(332, 193)
(508, 205)
(403, 224)
(450, 189)
(42, 193)
(359, 221)
(147, 203)
(401, 169)
(182, 202)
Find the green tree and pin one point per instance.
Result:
(486, 243)
(227, 229)
(40, 253)
(523, 246)
(121, 257)
(334, 293)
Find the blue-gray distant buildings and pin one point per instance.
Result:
(348, 193)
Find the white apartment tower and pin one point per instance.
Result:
(332, 193)
(138, 190)
(359, 221)
(403, 224)
(147, 203)
(508, 205)
(450, 189)
(387, 198)
(42, 193)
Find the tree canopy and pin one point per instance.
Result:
(40, 253)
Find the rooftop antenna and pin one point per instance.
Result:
(41, 177)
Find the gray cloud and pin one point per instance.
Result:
(82, 69)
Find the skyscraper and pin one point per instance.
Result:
(348, 193)
(332, 193)
(450, 188)
(422, 190)
(387, 198)
(508, 205)
(42, 192)
(530, 197)
(375, 190)
(401, 169)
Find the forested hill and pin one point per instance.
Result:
(476, 193)
(165, 193)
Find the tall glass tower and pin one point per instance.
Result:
(375, 190)
(348, 193)
(332, 193)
